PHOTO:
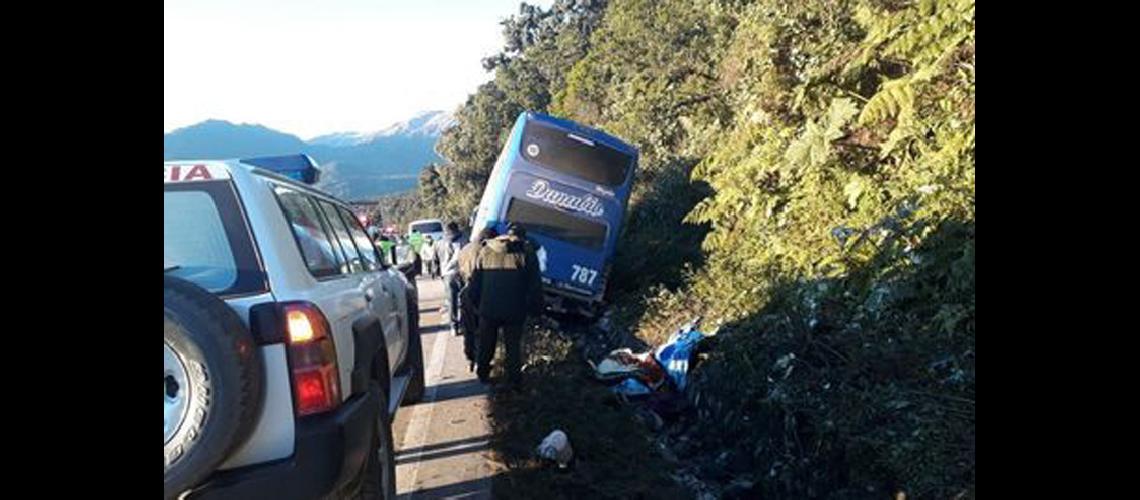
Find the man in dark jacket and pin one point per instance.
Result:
(506, 287)
(468, 318)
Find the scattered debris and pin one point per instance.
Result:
(740, 488)
(622, 363)
(641, 374)
(674, 355)
(605, 323)
(655, 383)
(651, 419)
(556, 447)
(632, 387)
(699, 488)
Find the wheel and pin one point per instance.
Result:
(379, 477)
(212, 384)
(415, 361)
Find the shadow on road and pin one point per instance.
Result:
(467, 489)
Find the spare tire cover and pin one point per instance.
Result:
(212, 384)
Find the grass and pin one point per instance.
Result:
(614, 454)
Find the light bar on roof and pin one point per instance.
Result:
(300, 168)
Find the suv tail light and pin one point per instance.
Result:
(312, 358)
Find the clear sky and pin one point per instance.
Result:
(311, 67)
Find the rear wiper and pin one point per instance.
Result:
(171, 268)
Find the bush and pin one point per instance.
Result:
(807, 181)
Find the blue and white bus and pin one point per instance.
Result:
(568, 185)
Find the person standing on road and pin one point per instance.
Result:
(427, 253)
(416, 240)
(387, 248)
(447, 254)
(468, 318)
(506, 288)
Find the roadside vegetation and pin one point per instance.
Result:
(807, 184)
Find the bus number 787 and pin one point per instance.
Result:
(583, 275)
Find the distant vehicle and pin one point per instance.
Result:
(432, 227)
(569, 186)
(289, 340)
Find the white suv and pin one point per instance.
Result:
(288, 341)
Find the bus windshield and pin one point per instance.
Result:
(555, 224)
(574, 155)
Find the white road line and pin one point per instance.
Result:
(420, 423)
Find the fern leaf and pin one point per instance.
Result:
(894, 97)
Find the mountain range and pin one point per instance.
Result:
(354, 165)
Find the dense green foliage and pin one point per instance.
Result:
(807, 179)
(398, 210)
(541, 45)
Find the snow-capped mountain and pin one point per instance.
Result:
(337, 140)
(423, 124)
(428, 123)
(354, 165)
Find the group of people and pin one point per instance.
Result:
(493, 285)
(428, 250)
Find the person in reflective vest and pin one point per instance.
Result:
(387, 248)
(416, 240)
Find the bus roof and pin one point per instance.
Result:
(594, 133)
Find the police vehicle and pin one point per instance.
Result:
(289, 341)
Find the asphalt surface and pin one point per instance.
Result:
(442, 448)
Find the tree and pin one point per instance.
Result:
(539, 45)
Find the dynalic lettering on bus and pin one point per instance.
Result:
(541, 190)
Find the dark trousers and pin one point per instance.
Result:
(453, 286)
(488, 339)
(469, 320)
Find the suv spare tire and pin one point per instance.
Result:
(212, 384)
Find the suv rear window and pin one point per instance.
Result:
(574, 155)
(557, 224)
(205, 239)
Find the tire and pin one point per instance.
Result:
(212, 384)
(415, 362)
(378, 480)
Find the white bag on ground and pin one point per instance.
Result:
(556, 447)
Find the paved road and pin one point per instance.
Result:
(441, 443)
